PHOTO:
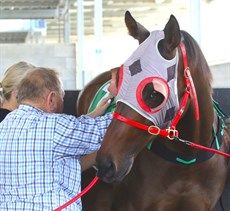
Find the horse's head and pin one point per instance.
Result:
(147, 94)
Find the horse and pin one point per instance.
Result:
(164, 103)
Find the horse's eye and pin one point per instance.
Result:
(151, 97)
(152, 94)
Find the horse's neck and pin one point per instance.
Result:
(198, 131)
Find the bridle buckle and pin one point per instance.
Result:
(172, 133)
(153, 127)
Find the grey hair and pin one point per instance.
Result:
(37, 83)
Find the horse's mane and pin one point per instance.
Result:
(196, 58)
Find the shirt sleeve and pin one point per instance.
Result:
(79, 136)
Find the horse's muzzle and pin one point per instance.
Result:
(106, 170)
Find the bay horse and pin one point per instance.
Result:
(164, 102)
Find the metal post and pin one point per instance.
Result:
(80, 44)
(98, 32)
(67, 23)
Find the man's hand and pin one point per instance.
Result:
(102, 106)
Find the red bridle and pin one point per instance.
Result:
(190, 92)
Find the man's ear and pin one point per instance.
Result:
(51, 102)
(14, 92)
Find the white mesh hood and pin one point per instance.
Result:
(145, 62)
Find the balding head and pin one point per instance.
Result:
(38, 84)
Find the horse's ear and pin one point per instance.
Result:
(172, 33)
(135, 29)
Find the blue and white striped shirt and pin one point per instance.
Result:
(39, 157)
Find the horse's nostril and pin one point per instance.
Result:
(106, 170)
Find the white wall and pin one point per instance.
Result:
(63, 58)
(58, 56)
(221, 74)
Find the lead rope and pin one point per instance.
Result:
(85, 190)
(198, 146)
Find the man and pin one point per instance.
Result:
(41, 148)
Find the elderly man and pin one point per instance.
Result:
(41, 148)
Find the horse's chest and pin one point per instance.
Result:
(172, 198)
(177, 190)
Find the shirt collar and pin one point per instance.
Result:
(30, 108)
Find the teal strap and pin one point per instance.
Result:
(186, 162)
(149, 146)
(216, 138)
(221, 116)
(217, 108)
